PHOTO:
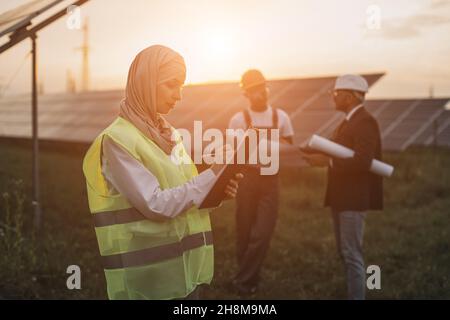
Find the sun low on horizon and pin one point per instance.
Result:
(220, 40)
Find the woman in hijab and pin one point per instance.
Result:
(154, 241)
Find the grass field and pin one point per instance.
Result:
(409, 240)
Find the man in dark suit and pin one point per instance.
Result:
(352, 189)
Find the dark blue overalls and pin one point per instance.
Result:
(256, 216)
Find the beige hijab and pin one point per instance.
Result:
(152, 66)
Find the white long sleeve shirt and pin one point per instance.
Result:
(127, 176)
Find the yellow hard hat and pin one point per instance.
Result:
(252, 78)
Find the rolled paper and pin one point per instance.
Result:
(336, 150)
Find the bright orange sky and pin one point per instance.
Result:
(221, 39)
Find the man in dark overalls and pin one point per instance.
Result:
(257, 198)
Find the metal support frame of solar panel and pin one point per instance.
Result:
(20, 27)
(25, 29)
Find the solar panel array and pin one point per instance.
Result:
(80, 117)
(409, 122)
(77, 117)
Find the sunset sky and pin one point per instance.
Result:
(221, 39)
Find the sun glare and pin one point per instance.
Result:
(218, 45)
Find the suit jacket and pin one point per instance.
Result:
(351, 186)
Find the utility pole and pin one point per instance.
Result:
(70, 82)
(85, 56)
(35, 169)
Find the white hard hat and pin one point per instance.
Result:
(351, 82)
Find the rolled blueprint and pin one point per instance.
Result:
(336, 150)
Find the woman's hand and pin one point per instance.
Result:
(232, 187)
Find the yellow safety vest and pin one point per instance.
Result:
(143, 258)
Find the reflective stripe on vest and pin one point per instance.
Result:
(157, 254)
(109, 218)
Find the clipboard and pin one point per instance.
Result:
(217, 192)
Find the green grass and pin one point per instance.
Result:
(409, 240)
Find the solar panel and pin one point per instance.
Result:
(21, 16)
(407, 122)
(80, 117)
(17, 23)
(443, 134)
